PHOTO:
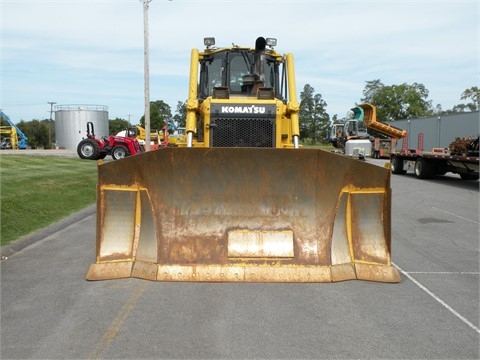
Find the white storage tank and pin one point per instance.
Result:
(71, 123)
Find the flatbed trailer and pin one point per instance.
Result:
(427, 164)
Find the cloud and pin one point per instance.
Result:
(92, 51)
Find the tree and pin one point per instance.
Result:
(117, 125)
(372, 87)
(180, 116)
(37, 133)
(160, 114)
(473, 94)
(398, 102)
(460, 108)
(314, 120)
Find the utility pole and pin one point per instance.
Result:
(147, 75)
(50, 123)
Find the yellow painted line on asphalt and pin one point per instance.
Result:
(117, 323)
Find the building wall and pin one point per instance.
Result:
(439, 131)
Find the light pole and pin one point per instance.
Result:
(50, 123)
(147, 76)
(408, 133)
(439, 125)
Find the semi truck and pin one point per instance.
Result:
(461, 157)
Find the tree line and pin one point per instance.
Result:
(393, 102)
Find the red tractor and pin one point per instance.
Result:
(118, 147)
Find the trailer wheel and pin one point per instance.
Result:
(424, 169)
(441, 168)
(88, 149)
(396, 166)
(119, 152)
(469, 176)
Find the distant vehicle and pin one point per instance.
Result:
(6, 144)
(353, 133)
(118, 147)
(157, 138)
(461, 157)
(16, 139)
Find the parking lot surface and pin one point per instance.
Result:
(49, 310)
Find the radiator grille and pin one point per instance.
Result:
(242, 132)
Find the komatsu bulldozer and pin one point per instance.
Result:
(240, 200)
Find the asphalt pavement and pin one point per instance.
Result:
(49, 310)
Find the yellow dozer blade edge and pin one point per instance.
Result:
(243, 215)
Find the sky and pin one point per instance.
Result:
(92, 51)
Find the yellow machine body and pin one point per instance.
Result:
(240, 201)
(370, 121)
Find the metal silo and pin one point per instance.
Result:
(71, 123)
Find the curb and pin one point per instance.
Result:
(27, 240)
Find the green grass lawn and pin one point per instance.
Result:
(326, 147)
(36, 191)
(39, 190)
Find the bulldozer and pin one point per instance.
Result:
(240, 200)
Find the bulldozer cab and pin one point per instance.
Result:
(239, 70)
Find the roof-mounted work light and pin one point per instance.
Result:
(209, 41)
(271, 42)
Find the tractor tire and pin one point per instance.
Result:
(88, 149)
(396, 166)
(119, 152)
(424, 169)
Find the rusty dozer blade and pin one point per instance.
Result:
(243, 215)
